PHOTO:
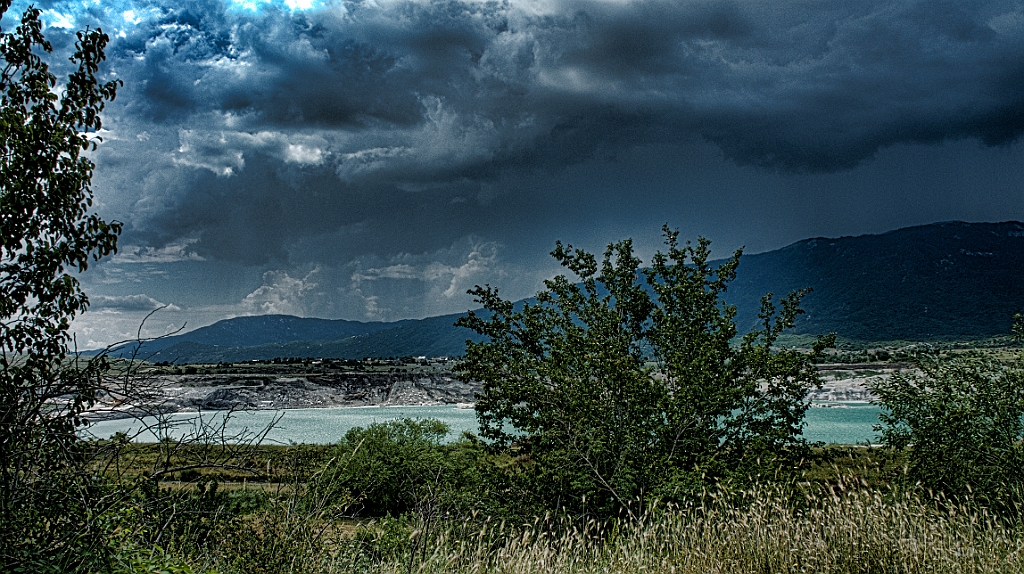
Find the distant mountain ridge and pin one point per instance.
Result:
(267, 329)
(288, 336)
(950, 280)
(259, 330)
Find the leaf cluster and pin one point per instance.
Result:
(394, 467)
(47, 232)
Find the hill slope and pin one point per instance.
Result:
(943, 281)
(433, 336)
(950, 280)
(256, 331)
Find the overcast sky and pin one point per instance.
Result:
(374, 160)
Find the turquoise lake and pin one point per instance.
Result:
(851, 424)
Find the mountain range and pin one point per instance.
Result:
(943, 281)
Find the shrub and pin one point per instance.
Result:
(960, 420)
(397, 466)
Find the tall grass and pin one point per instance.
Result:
(756, 531)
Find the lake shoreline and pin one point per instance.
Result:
(852, 425)
(172, 393)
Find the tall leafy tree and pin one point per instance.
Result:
(626, 384)
(48, 232)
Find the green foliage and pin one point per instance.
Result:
(394, 467)
(47, 232)
(279, 538)
(624, 392)
(960, 420)
(186, 520)
(133, 560)
(388, 539)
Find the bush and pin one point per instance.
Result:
(397, 466)
(960, 420)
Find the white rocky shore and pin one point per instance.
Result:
(183, 393)
(170, 393)
(850, 383)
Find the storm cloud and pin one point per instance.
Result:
(321, 120)
(410, 91)
(358, 144)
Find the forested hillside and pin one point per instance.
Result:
(942, 281)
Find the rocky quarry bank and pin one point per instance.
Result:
(169, 393)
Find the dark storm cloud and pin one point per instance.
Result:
(242, 135)
(797, 85)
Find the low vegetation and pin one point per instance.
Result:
(854, 512)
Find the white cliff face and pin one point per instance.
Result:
(184, 393)
(849, 385)
(169, 393)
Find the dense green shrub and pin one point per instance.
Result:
(960, 421)
(393, 467)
